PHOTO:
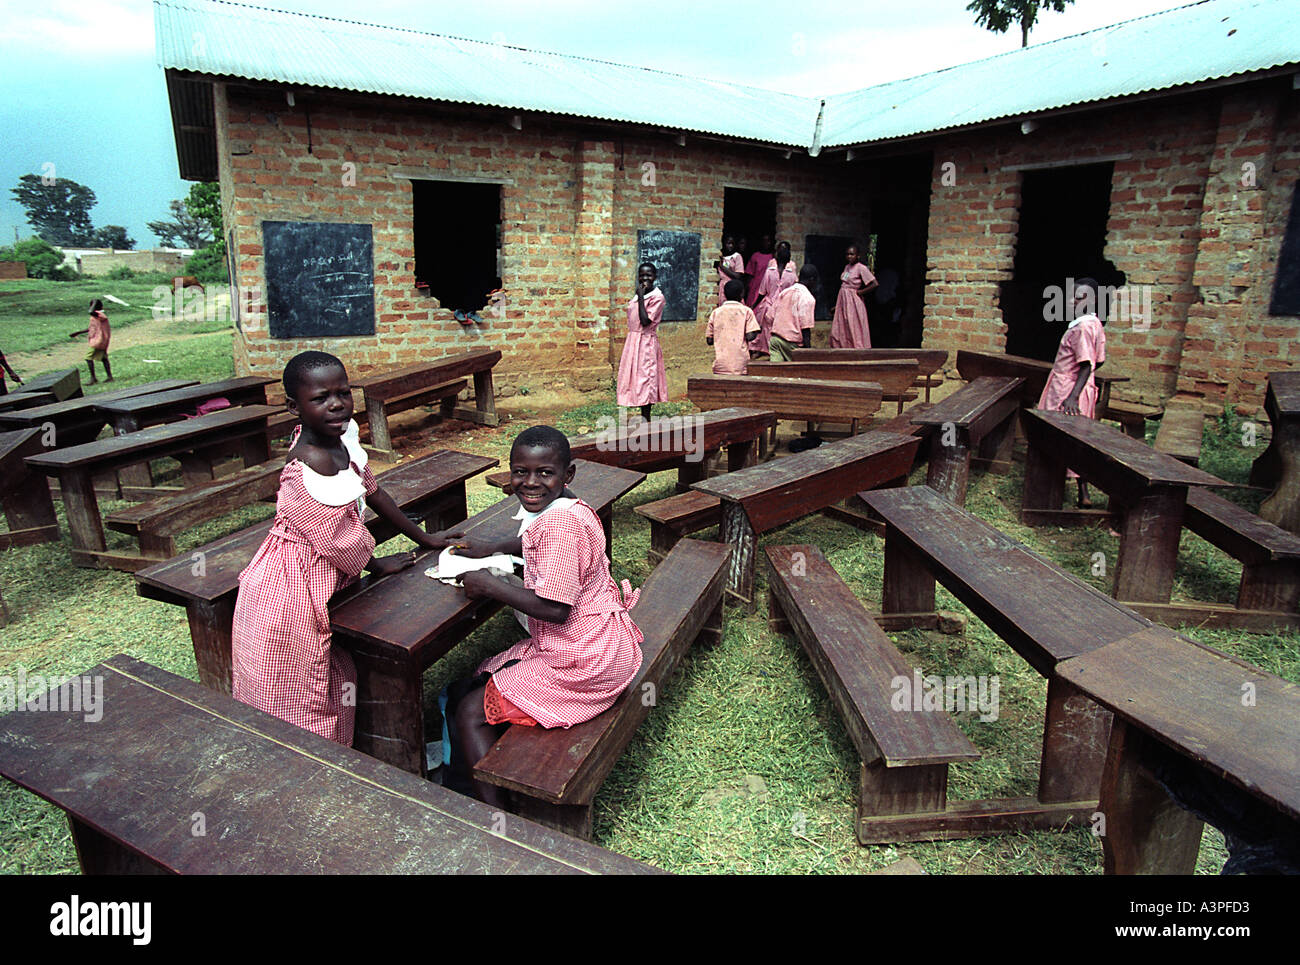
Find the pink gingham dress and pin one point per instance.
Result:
(570, 672)
(283, 661)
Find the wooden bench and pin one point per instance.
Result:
(895, 376)
(810, 400)
(414, 385)
(1043, 613)
(1180, 432)
(63, 384)
(979, 418)
(79, 420)
(762, 498)
(904, 757)
(75, 466)
(14, 401)
(173, 778)
(972, 365)
(1269, 595)
(1132, 416)
(396, 627)
(1278, 466)
(553, 775)
(1183, 724)
(155, 524)
(928, 360)
(29, 510)
(677, 516)
(205, 582)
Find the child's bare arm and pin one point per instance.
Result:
(1071, 404)
(84, 331)
(385, 508)
(481, 584)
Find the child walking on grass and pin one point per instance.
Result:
(583, 649)
(284, 662)
(98, 332)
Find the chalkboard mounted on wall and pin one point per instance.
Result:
(676, 257)
(827, 253)
(320, 279)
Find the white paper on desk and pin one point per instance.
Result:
(452, 566)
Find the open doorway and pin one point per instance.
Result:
(749, 215)
(1062, 235)
(457, 241)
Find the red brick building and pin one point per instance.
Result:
(1161, 155)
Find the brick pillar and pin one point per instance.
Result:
(593, 251)
(1224, 350)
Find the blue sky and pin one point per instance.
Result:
(80, 88)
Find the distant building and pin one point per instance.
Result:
(97, 262)
(1160, 155)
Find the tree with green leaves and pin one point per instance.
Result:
(112, 236)
(58, 208)
(999, 15)
(184, 230)
(208, 263)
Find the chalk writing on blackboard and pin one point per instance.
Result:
(319, 279)
(676, 257)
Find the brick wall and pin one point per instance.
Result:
(13, 269)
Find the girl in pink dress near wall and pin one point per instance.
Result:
(283, 660)
(642, 380)
(1072, 386)
(780, 274)
(755, 268)
(730, 267)
(849, 327)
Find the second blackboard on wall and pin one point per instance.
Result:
(676, 257)
(320, 279)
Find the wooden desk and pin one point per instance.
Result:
(206, 582)
(1179, 711)
(79, 420)
(1148, 488)
(63, 383)
(76, 465)
(23, 399)
(895, 376)
(383, 389)
(274, 798)
(397, 626)
(1278, 466)
(928, 360)
(972, 365)
(29, 511)
(761, 498)
(812, 400)
(980, 416)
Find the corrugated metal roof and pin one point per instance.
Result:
(237, 40)
(1203, 41)
(1187, 45)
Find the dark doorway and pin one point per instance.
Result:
(750, 214)
(457, 241)
(1062, 236)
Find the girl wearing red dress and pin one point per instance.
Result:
(583, 649)
(283, 661)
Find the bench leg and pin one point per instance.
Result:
(390, 712)
(197, 468)
(949, 470)
(711, 632)
(776, 618)
(101, 855)
(893, 791)
(692, 472)
(485, 399)
(995, 449)
(741, 455)
(254, 449)
(662, 539)
(737, 531)
(211, 627)
(1044, 481)
(1148, 545)
(139, 475)
(571, 819)
(1270, 586)
(82, 508)
(157, 546)
(1146, 833)
(378, 419)
(908, 583)
(1074, 745)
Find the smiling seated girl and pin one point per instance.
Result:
(583, 649)
(283, 660)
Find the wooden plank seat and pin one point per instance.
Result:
(894, 376)
(156, 523)
(169, 777)
(1043, 613)
(205, 582)
(416, 384)
(763, 498)
(553, 775)
(24, 399)
(28, 508)
(977, 418)
(1180, 432)
(63, 384)
(1184, 735)
(1269, 595)
(1132, 416)
(676, 517)
(904, 756)
(928, 360)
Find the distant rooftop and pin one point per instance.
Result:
(1212, 40)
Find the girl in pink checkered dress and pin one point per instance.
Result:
(583, 649)
(283, 661)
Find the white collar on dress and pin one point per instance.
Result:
(560, 502)
(1081, 318)
(345, 486)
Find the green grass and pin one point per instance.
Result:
(743, 766)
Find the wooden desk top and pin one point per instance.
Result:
(63, 383)
(1189, 697)
(181, 398)
(408, 616)
(928, 360)
(968, 403)
(86, 404)
(894, 376)
(154, 442)
(1119, 452)
(386, 385)
(23, 399)
(277, 799)
(176, 581)
(674, 437)
(1285, 389)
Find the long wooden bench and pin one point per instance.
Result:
(28, 508)
(895, 377)
(63, 384)
(809, 400)
(13, 401)
(1180, 432)
(1193, 728)
(165, 776)
(1043, 613)
(405, 388)
(155, 524)
(928, 360)
(904, 756)
(553, 775)
(978, 418)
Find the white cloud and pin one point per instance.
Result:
(109, 28)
